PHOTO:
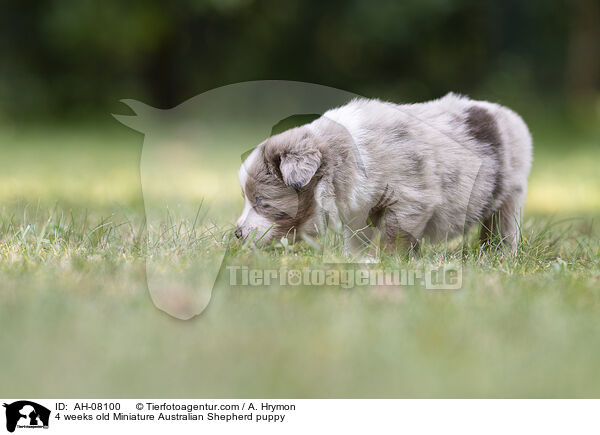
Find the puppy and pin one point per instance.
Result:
(402, 172)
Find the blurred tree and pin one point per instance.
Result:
(72, 57)
(583, 67)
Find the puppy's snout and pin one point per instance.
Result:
(238, 233)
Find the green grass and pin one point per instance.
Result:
(74, 300)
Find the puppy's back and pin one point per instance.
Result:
(451, 162)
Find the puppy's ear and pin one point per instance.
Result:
(298, 169)
(294, 156)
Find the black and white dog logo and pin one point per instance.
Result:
(26, 414)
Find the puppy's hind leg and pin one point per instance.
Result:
(511, 212)
(504, 225)
(490, 230)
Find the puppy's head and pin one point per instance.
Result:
(278, 180)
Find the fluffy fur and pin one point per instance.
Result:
(406, 171)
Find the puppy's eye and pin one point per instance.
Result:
(260, 202)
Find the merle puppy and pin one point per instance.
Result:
(403, 171)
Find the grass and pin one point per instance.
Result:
(76, 318)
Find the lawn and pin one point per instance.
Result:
(76, 319)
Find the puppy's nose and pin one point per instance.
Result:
(238, 233)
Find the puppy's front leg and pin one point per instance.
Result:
(396, 239)
(384, 218)
(393, 238)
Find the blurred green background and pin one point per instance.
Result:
(72, 277)
(77, 58)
